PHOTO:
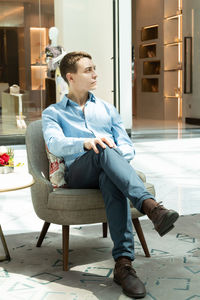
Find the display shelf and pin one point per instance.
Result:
(147, 50)
(173, 70)
(38, 74)
(175, 43)
(38, 39)
(174, 16)
(149, 33)
(150, 85)
(173, 54)
(173, 97)
(171, 7)
(151, 67)
(38, 65)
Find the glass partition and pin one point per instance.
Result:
(24, 27)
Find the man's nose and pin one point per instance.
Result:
(94, 74)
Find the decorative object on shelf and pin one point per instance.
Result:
(14, 89)
(6, 160)
(188, 65)
(21, 124)
(54, 54)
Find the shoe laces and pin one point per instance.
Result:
(158, 206)
(127, 270)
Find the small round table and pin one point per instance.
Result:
(12, 182)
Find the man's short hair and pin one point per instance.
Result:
(69, 62)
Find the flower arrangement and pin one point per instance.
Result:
(6, 159)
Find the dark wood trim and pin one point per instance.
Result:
(193, 121)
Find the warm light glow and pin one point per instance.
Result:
(173, 17)
(167, 96)
(15, 11)
(179, 61)
(37, 28)
(151, 26)
(150, 44)
(173, 44)
(179, 4)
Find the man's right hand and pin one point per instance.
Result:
(103, 142)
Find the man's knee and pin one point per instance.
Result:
(109, 150)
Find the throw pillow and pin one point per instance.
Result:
(56, 170)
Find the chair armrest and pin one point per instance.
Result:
(141, 175)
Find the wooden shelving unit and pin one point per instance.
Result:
(151, 67)
(38, 40)
(173, 56)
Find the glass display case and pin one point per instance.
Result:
(38, 40)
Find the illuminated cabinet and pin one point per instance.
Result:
(38, 41)
(151, 65)
(173, 59)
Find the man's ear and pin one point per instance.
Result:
(69, 77)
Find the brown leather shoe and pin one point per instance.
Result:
(163, 219)
(125, 276)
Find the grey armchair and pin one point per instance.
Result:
(66, 206)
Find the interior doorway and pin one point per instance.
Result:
(9, 62)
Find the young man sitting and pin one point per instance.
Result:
(88, 133)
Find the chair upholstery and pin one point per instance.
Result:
(64, 206)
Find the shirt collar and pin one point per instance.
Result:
(66, 100)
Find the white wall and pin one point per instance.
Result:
(191, 27)
(149, 105)
(88, 25)
(125, 44)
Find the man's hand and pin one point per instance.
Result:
(91, 143)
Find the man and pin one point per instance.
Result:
(88, 133)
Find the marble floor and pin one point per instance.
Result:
(169, 156)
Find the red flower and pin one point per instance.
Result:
(4, 158)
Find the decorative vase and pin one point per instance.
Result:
(6, 169)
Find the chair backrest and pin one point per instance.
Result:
(37, 158)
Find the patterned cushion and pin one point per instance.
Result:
(56, 170)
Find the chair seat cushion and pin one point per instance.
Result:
(75, 199)
(81, 199)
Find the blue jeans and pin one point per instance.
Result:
(119, 183)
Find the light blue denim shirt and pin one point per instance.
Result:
(65, 127)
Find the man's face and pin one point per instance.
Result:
(85, 77)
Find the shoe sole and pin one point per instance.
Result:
(167, 223)
(136, 296)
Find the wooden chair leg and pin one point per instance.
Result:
(7, 254)
(65, 240)
(141, 237)
(105, 229)
(43, 233)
